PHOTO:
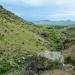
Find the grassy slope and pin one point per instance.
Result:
(15, 40)
(14, 30)
(51, 34)
(17, 37)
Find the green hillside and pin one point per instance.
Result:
(19, 37)
(16, 39)
(14, 32)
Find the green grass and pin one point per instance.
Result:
(16, 39)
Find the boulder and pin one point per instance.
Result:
(44, 60)
(44, 34)
(52, 56)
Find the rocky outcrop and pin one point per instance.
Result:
(52, 56)
(30, 65)
(44, 34)
(41, 61)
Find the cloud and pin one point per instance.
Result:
(39, 2)
(61, 15)
(33, 2)
(64, 14)
(42, 2)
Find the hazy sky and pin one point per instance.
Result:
(42, 9)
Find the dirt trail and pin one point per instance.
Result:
(45, 73)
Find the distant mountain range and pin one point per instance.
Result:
(61, 22)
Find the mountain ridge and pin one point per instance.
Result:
(61, 22)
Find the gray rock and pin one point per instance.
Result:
(40, 61)
(51, 55)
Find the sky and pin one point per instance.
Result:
(34, 10)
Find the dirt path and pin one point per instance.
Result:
(45, 73)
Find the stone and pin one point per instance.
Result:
(45, 34)
(30, 65)
(41, 61)
(1, 6)
(51, 55)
